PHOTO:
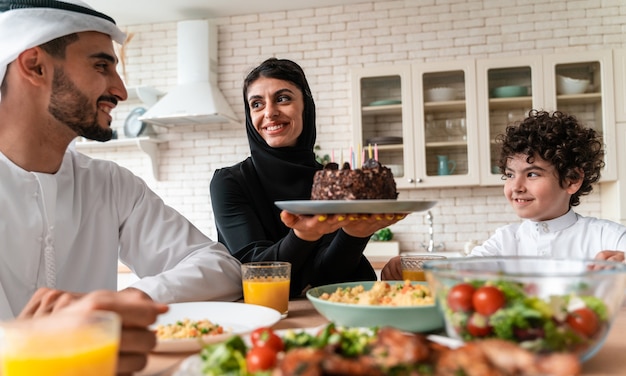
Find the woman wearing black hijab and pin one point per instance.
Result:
(280, 124)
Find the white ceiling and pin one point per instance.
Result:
(135, 12)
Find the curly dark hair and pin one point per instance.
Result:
(559, 139)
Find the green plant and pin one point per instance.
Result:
(382, 235)
(321, 159)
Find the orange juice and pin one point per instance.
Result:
(81, 353)
(413, 275)
(65, 344)
(270, 292)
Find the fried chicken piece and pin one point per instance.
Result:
(500, 357)
(468, 360)
(335, 364)
(302, 362)
(395, 347)
(558, 365)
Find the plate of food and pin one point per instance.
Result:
(370, 351)
(354, 206)
(189, 326)
(404, 305)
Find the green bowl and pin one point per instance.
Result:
(422, 319)
(510, 91)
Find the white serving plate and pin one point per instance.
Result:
(237, 318)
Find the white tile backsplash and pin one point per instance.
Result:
(327, 42)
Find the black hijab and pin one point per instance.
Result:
(285, 173)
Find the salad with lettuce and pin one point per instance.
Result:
(508, 310)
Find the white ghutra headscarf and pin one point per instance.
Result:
(28, 23)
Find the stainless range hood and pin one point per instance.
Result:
(196, 99)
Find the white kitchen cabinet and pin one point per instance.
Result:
(445, 128)
(619, 66)
(538, 76)
(496, 109)
(428, 130)
(488, 95)
(382, 116)
(594, 107)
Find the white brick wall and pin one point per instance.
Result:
(327, 42)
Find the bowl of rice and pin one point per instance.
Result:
(403, 305)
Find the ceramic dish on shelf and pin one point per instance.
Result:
(510, 91)
(440, 94)
(384, 140)
(569, 85)
(133, 127)
(385, 102)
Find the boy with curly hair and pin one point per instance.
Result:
(548, 160)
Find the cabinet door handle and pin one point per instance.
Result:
(411, 180)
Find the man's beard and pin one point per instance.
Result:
(69, 106)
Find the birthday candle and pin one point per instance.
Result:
(369, 149)
(341, 157)
(376, 151)
(332, 155)
(362, 157)
(351, 158)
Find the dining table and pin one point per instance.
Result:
(609, 360)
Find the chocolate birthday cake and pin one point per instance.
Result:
(372, 182)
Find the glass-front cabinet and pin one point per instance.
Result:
(382, 116)
(581, 84)
(446, 137)
(436, 124)
(422, 119)
(507, 90)
(619, 66)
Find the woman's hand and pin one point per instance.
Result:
(365, 225)
(312, 227)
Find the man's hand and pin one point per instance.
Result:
(392, 271)
(610, 256)
(137, 311)
(45, 301)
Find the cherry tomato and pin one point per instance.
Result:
(265, 337)
(487, 300)
(260, 359)
(460, 297)
(584, 321)
(478, 326)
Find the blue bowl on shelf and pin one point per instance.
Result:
(510, 91)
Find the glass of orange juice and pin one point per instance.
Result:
(412, 265)
(62, 344)
(266, 283)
